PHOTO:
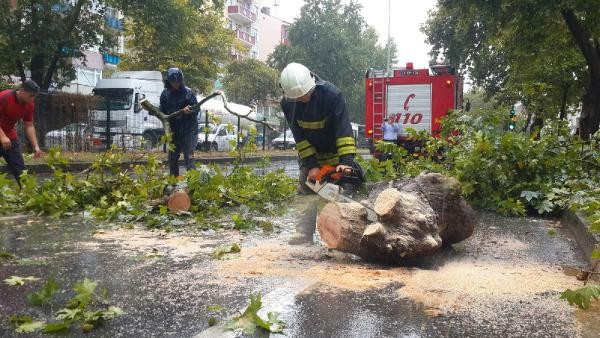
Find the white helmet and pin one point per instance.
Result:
(296, 80)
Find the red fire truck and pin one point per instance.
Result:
(416, 98)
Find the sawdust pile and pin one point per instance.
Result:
(143, 242)
(456, 284)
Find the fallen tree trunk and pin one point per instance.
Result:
(416, 217)
(341, 226)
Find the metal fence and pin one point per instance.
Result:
(82, 123)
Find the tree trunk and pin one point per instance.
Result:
(563, 103)
(179, 201)
(341, 226)
(416, 217)
(589, 121)
(53, 65)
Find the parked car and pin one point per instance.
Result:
(73, 136)
(278, 142)
(220, 137)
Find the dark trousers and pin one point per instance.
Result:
(185, 144)
(14, 159)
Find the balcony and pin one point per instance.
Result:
(241, 14)
(247, 39)
(114, 23)
(111, 59)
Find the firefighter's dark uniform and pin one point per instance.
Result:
(321, 129)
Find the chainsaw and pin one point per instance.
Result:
(327, 186)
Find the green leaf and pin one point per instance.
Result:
(44, 294)
(29, 327)
(56, 327)
(225, 249)
(16, 280)
(552, 232)
(20, 319)
(114, 311)
(84, 293)
(214, 308)
(529, 195)
(7, 255)
(596, 254)
(212, 321)
(69, 314)
(250, 320)
(582, 297)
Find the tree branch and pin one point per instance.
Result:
(583, 40)
(73, 19)
(164, 118)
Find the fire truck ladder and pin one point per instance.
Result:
(378, 106)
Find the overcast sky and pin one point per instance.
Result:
(407, 17)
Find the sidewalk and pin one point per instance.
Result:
(79, 161)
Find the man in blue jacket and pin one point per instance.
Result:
(184, 127)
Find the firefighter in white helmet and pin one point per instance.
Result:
(317, 116)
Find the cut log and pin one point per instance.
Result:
(341, 226)
(179, 201)
(416, 217)
(407, 228)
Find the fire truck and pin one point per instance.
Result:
(415, 98)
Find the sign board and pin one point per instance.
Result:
(410, 106)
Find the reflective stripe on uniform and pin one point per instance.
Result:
(311, 124)
(307, 152)
(345, 141)
(303, 145)
(346, 150)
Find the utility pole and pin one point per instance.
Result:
(389, 51)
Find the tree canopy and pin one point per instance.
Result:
(250, 81)
(43, 37)
(545, 53)
(187, 34)
(333, 40)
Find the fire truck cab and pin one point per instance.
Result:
(414, 98)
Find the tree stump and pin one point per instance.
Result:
(416, 217)
(179, 201)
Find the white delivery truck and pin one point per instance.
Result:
(119, 114)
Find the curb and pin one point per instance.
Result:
(81, 166)
(586, 240)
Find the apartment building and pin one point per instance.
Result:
(255, 28)
(98, 61)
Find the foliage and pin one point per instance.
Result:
(16, 280)
(250, 320)
(190, 35)
(333, 40)
(225, 249)
(509, 172)
(250, 81)
(543, 53)
(76, 311)
(47, 35)
(582, 297)
(111, 194)
(45, 294)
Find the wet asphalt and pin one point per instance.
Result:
(166, 295)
